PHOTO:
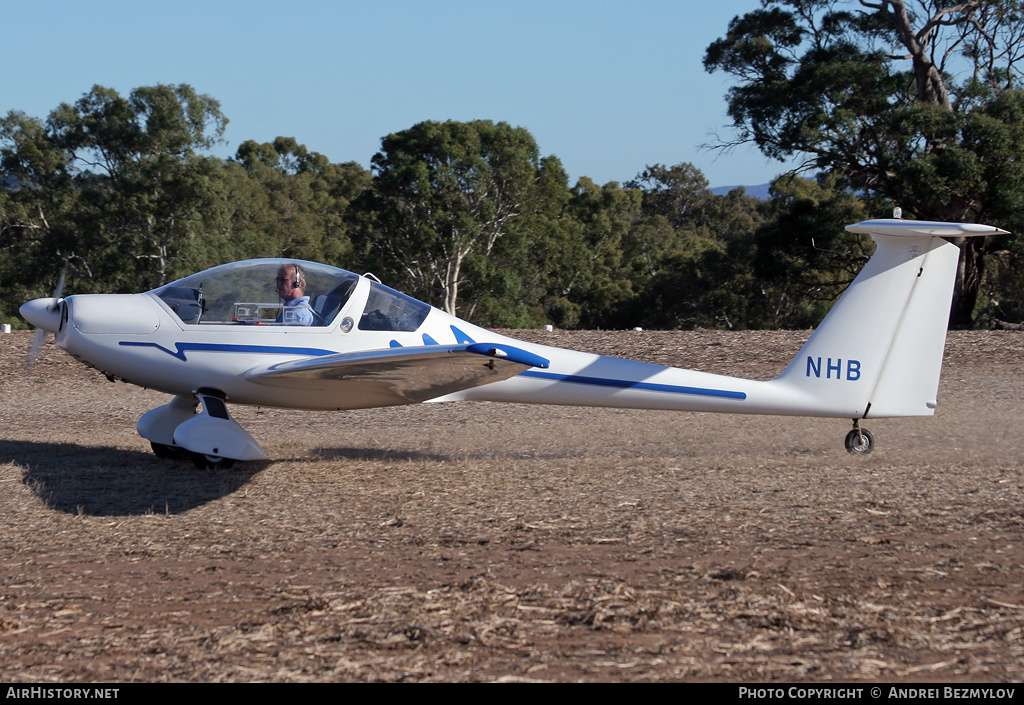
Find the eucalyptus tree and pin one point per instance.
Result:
(802, 254)
(303, 200)
(451, 208)
(117, 186)
(916, 102)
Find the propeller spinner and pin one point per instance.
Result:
(44, 314)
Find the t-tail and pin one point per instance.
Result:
(879, 350)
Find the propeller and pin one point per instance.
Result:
(40, 335)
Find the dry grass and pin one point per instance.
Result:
(483, 542)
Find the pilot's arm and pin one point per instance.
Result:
(297, 312)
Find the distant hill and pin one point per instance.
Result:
(758, 191)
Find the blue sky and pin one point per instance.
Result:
(608, 87)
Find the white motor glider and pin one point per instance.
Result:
(213, 338)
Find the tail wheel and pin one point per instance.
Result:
(859, 441)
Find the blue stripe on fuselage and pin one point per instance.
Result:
(627, 384)
(182, 348)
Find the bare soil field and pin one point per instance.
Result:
(492, 542)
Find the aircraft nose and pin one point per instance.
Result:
(42, 313)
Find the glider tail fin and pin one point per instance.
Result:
(879, 350)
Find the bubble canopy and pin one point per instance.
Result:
(246, 292)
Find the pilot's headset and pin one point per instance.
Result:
(299, 276)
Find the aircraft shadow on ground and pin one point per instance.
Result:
(98, 481)
(381, 454)
(391, 455)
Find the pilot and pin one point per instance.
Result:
(291, 286)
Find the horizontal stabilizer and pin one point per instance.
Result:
(399, 375)
(919, 228)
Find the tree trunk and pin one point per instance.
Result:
(969, 273)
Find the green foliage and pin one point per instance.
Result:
(115, 182)
(118, 190)
(703, 276)
(301, 199)
(936, 134)
(470, 217)
(690, 254)
(451, 205)
(803, 250)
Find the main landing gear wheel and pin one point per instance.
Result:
(859, 441)
(166, 452)
(160, 450)
(211, 462)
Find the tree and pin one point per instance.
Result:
(802, 254)
(118, 183)
(592, 275)
(303, 199)
(676, 193)
(889, 99)
(38, 203)
(447, 198)
(118, 191)
(702, 275)
(145, 177)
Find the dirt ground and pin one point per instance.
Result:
(491, 542)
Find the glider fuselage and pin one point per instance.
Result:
(222, 336)
(138, 339)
